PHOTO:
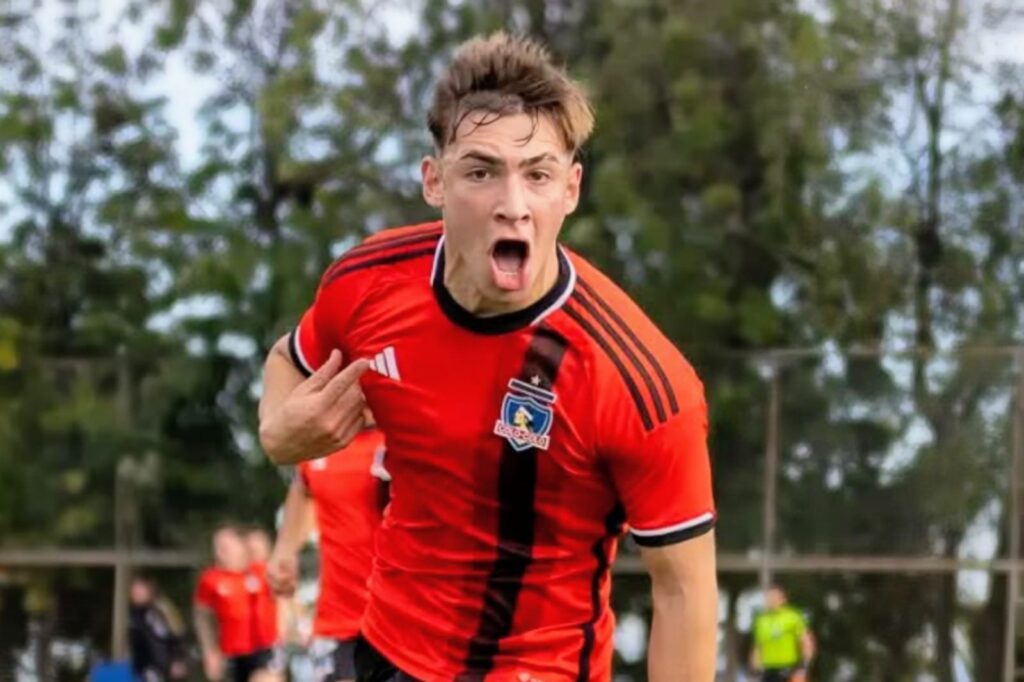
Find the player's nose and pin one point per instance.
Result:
(513, 207)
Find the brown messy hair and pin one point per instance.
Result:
(502, 75)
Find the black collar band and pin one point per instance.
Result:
(506, 322)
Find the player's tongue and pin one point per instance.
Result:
(508, 261)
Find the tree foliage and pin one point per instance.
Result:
(765, 174)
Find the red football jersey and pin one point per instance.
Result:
(518, 446)
(235, 597)
(349, 492)
(266, 607)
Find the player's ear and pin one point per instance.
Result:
(572, 189)
(433, 183)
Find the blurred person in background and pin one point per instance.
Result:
(227, 615)
(271, 612)
(344, 496)
(156, 635)
(258, 544)
(530, 408)
(783, 643)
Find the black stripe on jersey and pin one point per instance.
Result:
(631, 386)
(372, 262)
(293, 350)
(621, 343)
(674, 536)
(517, 481)
(406, 232)
(613, 528)
(636, 341)
(382, 245)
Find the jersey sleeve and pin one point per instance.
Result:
(660, 465)
(206, 594)
(322, 327)
(320, 330)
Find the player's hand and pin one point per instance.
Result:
(321, 415)
(213, 666)
(283, 574)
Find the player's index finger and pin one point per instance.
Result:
(322, 376)
(344, 379)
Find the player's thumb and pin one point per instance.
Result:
(320, 378)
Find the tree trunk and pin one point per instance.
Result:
(945, 622)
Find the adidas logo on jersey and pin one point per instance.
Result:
(385, 363)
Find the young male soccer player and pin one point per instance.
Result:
(347, 492)
(232, 633)
(529, 406)
(268, 613)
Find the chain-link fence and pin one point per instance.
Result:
(881, 489)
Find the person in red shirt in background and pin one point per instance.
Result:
(227, 606)
(271, 612)
(344, 494)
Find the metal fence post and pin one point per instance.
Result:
(1013, 525)
(771, 473)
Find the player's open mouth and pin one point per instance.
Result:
(508, 263)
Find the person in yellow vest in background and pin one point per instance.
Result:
(783, 644)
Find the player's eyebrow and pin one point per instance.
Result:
(492, 160)
(482, 157)
(540, 158)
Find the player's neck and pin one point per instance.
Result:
(463, 290)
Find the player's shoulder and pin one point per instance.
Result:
(396, 251)
(795, 614)
(605, 301)
(210, 576)
(632, 355)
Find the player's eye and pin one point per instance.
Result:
(478, 174)
(539, 176)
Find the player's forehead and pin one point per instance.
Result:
(511, 138)
(227, 535)
(258, 536)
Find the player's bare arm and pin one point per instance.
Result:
(206, 632)
(807, 648)
(685, 625)
(296, 524)
(304, 419)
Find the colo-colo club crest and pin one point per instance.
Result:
(526, 415)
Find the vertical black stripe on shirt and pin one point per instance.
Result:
(517, 481)
(662, 377)
(631, 386)
(613, 527)
(621, 343)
